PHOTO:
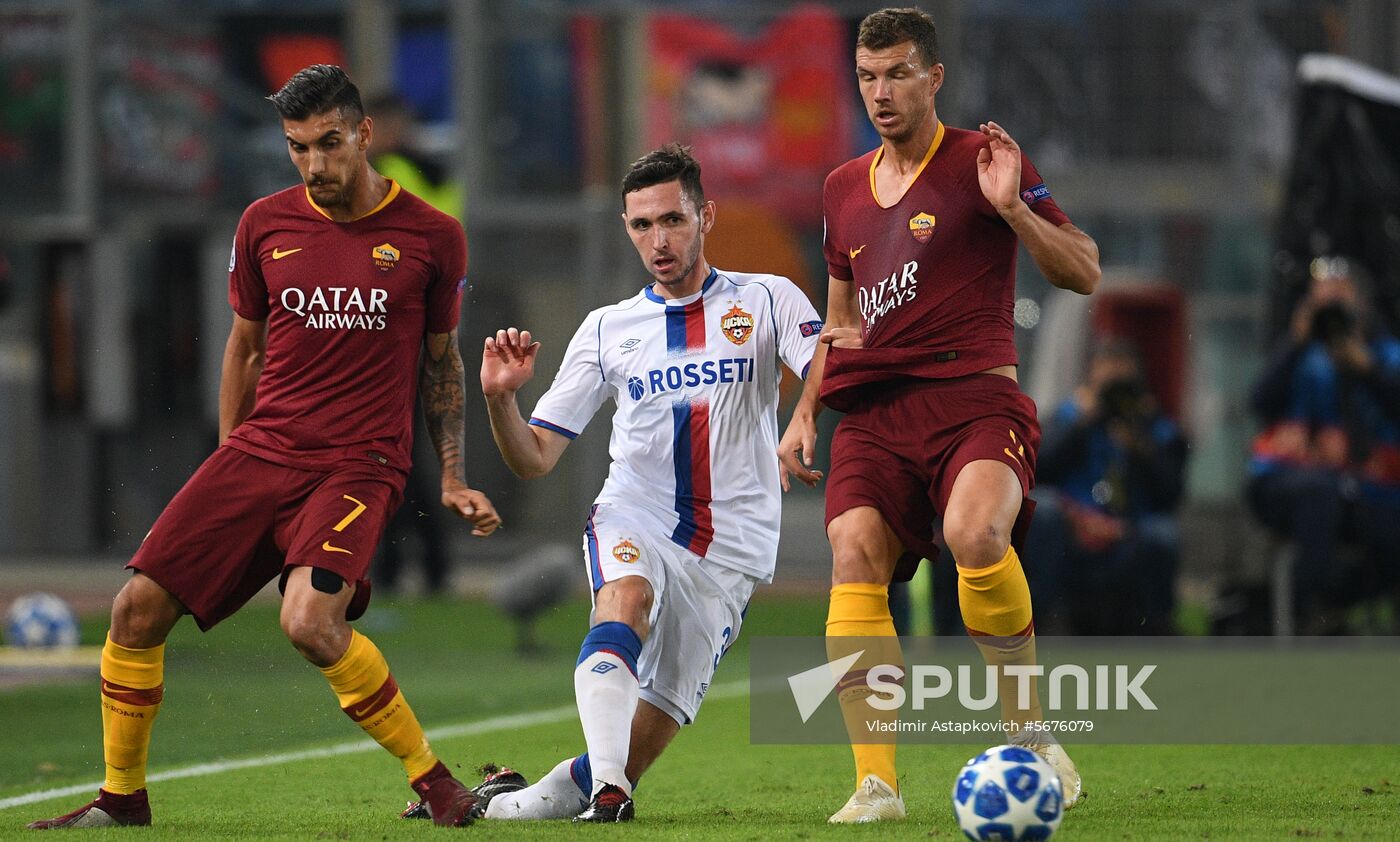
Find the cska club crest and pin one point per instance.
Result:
(736, 325)
(626, 552)
(921, 226)
(385, 256)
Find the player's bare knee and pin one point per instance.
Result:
(855, 555)
(626, 600)
(143, 614)
(319, 636)
(976, 543)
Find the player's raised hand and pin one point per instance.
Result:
(472, 506)
(999, 168)
(797, 450)
(507, 362)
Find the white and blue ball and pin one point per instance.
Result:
(40, 621)
(1008, 793)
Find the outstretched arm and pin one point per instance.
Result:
(797, 450)
(243, 364)
(1067, 257)
(442, 389)
(507, 363)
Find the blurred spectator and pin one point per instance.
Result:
(1103, 548)
(395, 154)
(392, 154)
(1326, 466)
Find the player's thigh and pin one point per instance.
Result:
(337, 525)
(875, 492)
(982, 505)
(211, 548)
(702, 613)
(625, 573)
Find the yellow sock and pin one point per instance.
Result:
(133, 682)
(857, 613)
(368, 695)
(996, 609)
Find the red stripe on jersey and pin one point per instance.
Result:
(695, 325)
(700, 476)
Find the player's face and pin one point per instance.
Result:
(897, 88)
(329, 153)
(668, 230)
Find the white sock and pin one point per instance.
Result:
(555, 796)
(606, 692)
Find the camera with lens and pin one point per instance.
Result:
(1124, 399)
(1333, 322)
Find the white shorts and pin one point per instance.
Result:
(695, 616)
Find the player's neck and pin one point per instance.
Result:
(370, 190)
(691, 284)
(907, 155)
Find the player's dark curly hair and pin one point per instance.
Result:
(671, 162)
(889, 27)
(316, 90)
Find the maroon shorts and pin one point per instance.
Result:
(240, 521)
(900, 449)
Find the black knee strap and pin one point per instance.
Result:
(325, 581)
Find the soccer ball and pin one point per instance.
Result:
(40, 620)
(1008, 793)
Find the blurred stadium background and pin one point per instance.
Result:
(133, 133)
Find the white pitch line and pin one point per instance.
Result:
(462, 729)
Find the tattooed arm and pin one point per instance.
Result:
(442, 388)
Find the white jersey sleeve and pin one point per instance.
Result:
(797, 323)
(579, 387)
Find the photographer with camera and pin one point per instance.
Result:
(1105, 537)
(1326, 465)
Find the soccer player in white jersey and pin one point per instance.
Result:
(687, 522)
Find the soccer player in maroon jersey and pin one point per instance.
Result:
(920, 244)
(338, 285)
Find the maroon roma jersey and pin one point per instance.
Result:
(347, 305)
(935, 272)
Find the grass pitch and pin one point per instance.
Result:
(241, 693)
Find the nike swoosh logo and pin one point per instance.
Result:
(855, 252)
(278, 254)
(333, 549)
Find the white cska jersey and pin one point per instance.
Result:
(695, 436)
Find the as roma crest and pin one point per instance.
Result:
(736, 325)
(626, 552)
(921, 226)
(385, 256)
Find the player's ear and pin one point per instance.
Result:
(935, 77)
(707, 217)
(366, 131)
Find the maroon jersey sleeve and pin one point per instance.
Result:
(838, 263)
(1037, 195)
(444, 294)
(247, 289)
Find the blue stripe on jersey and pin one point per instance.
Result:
(675, 330)
(685, 486)
(595, 567)
(567, 433)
